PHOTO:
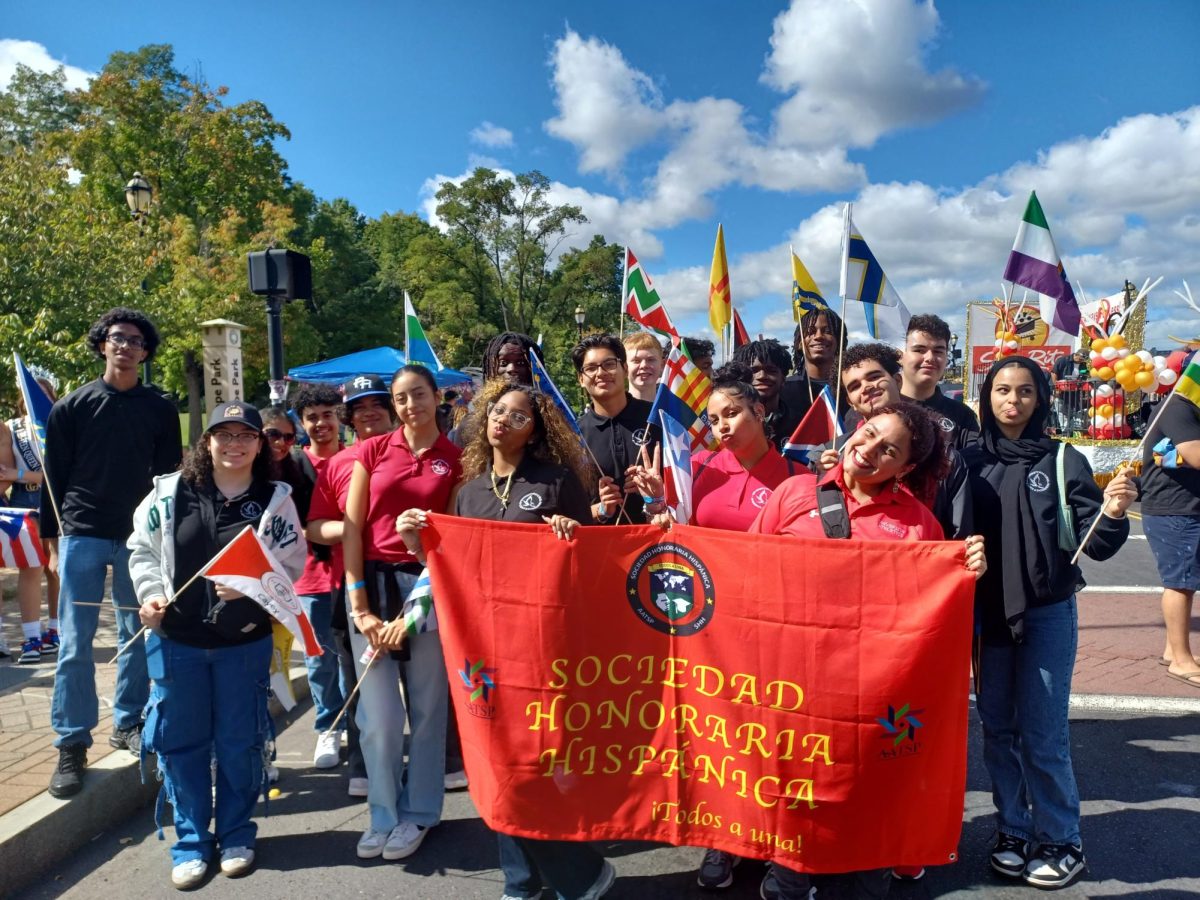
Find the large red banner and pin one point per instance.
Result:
(796, 700)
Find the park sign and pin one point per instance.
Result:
(223, 376)
(810, 708)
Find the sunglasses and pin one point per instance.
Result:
(274, 434)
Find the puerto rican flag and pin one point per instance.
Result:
(20, 544)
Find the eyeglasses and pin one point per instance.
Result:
(609, 365)
(274, 434)
(117, 339)
(517, 420)
(224, 438)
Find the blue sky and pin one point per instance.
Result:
(663, 119)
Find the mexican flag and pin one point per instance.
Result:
(248, 567)
(1034, 263)
(642, 302)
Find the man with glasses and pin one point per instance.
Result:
(616, 428)
(317, 406)
(105, 441)
(922, 365)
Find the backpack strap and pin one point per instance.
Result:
(831, 506)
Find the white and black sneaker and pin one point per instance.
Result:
(1010, 855)
(1055, 866)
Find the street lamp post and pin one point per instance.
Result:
(580, 318)
(139, 195)
(954, 354)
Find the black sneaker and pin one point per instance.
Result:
(1010, 855)
(1055, 866)
(716, 870)
(127, 739)
(67, 779)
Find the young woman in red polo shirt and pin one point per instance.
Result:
(896, 455)
(414, 466)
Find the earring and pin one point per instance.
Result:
(896, 486)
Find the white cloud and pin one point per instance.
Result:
(38, 58)
(855, 70)
(492, 135)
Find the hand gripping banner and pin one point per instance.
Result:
(794, 700)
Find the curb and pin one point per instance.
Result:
(44, 831)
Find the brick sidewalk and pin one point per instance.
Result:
(27, 753)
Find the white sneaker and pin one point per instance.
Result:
(358, 787)
(272, 774)
(404, 841)
(327, 754)
(188, 874)
(456, 781)
(236, 861)
(603, 882)
(370, 845)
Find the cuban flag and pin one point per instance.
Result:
(20, 544)
(677, 467)
(37, 404)
(819, 427)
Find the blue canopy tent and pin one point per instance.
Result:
(382, 361)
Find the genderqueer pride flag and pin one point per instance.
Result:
(642, 302)
(1034, 263)
(417, 348)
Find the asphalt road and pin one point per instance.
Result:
(1139, 779)
(1133, 565)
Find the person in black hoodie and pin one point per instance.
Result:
(1035, 500)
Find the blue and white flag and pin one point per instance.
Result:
(419, 614)
(37, 409)
(677, 467)
(863, 280)
(545, 384)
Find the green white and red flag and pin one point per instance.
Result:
(1034, 263)
(642, 302)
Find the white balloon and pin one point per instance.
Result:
(1094, 357)
(1102, 421)
(1118, 420)
(1160, 362)
(1167, 377)
(1012, 345)
(1145, 357)
(1109, 353)
(999, 344)
(1105, 390)
(1123, 352)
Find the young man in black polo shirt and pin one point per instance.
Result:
(615, 427)
(922, 365)
(105, 442)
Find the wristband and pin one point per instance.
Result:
(21, 473)
(356, 586)
(601, 511)
(359, 615)
(650, 501)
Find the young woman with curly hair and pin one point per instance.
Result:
(525, 464)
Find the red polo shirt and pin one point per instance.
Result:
(401, 480)
(890, 516)
(329, 500)
(317, 575)
(725, 495)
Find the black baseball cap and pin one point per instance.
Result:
(363, 386)
(235, 412)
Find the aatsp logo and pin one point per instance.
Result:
(480, 682)
(900, 726)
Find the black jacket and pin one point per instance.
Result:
(1063, 579)
(103, 447)
(954, 416)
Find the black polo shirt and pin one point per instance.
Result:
(616, 444)
(538, 488)
(954, 416)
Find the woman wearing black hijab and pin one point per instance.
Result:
(1034, 501)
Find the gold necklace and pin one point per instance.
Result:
(502, 496)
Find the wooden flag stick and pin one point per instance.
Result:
(354, 693)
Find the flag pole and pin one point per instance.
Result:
(836, 374)
(624, 295)
(19, 364)
(1137, 452)
(176, 595)
(354, 693)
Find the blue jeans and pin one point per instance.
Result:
(208, 705)
(324, 674)
(1024, 693)
(571, 867)
(393, 795)
(82, 565)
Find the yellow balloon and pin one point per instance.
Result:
(1106, 410)
(1099, 344)
(1117, 340)
(1144, 379)
(1104, 373)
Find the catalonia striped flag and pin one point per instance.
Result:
(683, 395)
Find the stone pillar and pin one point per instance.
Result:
(222, 363)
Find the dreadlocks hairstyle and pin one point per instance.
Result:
(887, 356)
(552, 439)
(492, 351)
(699, 347)
(767, 350)
(808, 324)
(927, 452)
(197, 466)
(98, 333)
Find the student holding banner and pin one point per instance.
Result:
(413, 466)
(897, 455)
(209, 649)
(1034, 499)
(524, 464)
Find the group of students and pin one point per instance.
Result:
(916, 466)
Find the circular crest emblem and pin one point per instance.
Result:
(760, 497)
(1038, 481)
(530, 502)
(440, 467)
(947, 424)
(641, 436)
(279, 589)
(251, 510)
(670, 589)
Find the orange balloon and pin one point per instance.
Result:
(1104, 373)
(1106, 410)
(1099, 344)
(1117, 340)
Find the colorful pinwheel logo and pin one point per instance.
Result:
(477, 679)
(901, 724)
